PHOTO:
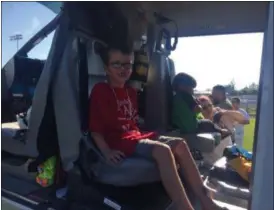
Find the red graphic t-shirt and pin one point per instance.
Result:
(113, 114)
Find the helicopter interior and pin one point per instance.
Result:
(46, 95)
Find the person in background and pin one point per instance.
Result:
(207, 107)
(185, 106)
(220, 99)
(239, 127)
(209, 97)
(224, 118)
(186, 110)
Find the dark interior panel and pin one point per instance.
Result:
(27, 74)
(24, 76)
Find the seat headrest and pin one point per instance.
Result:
(95, 63)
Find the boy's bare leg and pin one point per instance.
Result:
(170, 177)
(191, 174)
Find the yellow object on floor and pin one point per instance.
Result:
(242, 166)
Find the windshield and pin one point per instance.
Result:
(232, 59)
(20, 21)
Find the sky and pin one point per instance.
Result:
(220, 59)
(210, 59)
(25, 18)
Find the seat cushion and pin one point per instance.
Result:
(210, 158)
(136, 170)
(13, 139)
(203, 142)
(132, 171)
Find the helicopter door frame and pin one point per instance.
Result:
(262, 188)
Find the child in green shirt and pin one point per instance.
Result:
(186, 111)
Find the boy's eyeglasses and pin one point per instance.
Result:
(119, 65)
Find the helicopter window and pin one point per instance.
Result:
(21, 21)
(42, 48)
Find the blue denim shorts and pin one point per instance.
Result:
(145, 146)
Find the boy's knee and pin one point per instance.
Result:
(160, 150)
(180, 147)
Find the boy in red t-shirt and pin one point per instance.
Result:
(113, 125)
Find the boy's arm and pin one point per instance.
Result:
(236, 116)
(96, 119)
(100, 143)
(111, 156)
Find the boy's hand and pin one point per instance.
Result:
(114, 156)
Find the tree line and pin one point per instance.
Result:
(251, 89)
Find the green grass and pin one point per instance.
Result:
(251, 112)
(249, 135)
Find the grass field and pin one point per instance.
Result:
(249, 135)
